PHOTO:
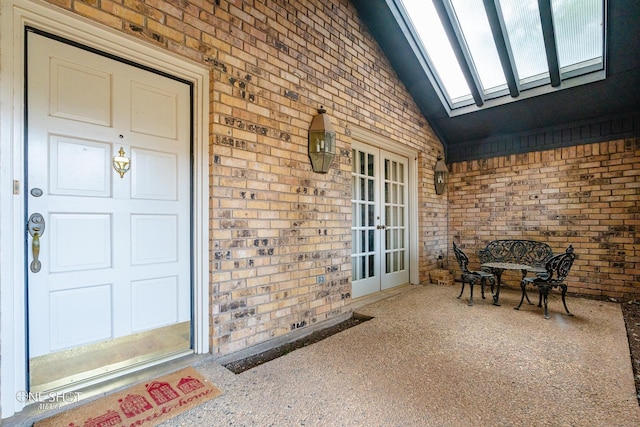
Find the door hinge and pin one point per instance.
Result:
(16, 187)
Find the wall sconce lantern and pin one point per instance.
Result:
(322, 142)
(440, 175)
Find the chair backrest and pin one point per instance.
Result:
(462, 258)
(558, 267)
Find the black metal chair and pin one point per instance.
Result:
(557, 269)
(472, 277)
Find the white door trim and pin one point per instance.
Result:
(15, 15)
(367, 137)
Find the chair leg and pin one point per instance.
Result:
(471, 295)
(523, 285)
(544, 295)
(564, 292)
(482, 281)
(461, 290)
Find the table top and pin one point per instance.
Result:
(507, 266)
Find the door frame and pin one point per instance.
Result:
(15, 15)
(375, 140)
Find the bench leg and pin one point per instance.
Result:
(496, 297)
(540, 298)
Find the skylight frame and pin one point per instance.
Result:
(403, 18)
(557, 78)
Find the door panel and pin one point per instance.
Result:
(79, 167)
(72, 250)
(365, 256)
(155, 175)
(155, 111)
(379, 220)
(115, 252)
(395, 270)
(89, 302)
(154, 239)
(154, 302)
(79, 93)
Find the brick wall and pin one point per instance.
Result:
(587, 196)
(280, 234)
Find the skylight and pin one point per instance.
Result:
(482, 53)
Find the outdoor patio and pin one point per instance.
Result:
(428, 359)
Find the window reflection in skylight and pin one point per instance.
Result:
(578, 20)
(434, 39)
(524, 30)
(477, 34)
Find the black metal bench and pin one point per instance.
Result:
(531, 253)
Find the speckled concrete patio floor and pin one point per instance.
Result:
(428, 359)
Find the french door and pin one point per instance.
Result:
(109, 252)
(379, 229)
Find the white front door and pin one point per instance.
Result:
(380, 239)
(109, 274)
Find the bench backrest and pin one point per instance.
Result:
(529, 252)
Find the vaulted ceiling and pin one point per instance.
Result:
(601, 110)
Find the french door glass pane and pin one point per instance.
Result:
(387, 263)
(370, 168)
(363, 207)
(371, 193)
(394, 216)
(372, 246)
(371, 265)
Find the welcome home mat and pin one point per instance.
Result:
(145, 404)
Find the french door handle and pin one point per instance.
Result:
(36, 229)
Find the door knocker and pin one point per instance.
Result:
(121, 163)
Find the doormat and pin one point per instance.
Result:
(239, 366)
(144, 404)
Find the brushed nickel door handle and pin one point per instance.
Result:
(36, 229)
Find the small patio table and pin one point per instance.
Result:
(497, 268)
